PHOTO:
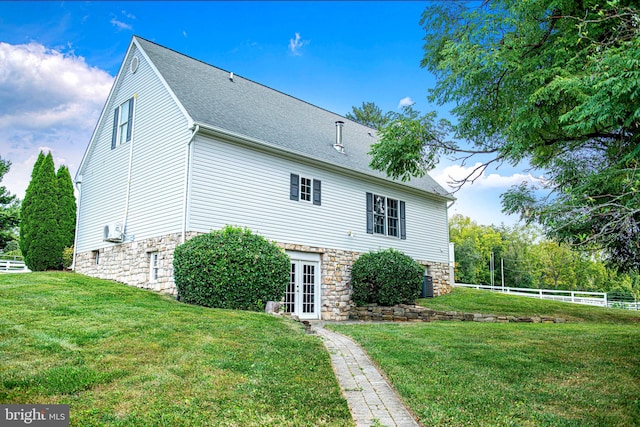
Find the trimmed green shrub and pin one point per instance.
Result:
(386, 277)
(67, 257)
(230, 268)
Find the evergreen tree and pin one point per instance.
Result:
(9, 209)
(369, 115)
(66, 208)
(27, 209)
(553, 83)
(44, 251)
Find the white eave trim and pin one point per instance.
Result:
(134, 41)
(164, 82)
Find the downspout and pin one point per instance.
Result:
(75, 235)
(450, 250)
(126, 202)
(187, 176)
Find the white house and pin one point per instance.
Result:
(183, 148)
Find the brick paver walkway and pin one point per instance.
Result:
(371, 399)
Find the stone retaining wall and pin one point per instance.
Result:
(414, 313)
(129, 263)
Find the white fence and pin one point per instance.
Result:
(625, 304)
(577, 297)
(13, 265)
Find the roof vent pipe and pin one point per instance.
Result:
(338, 145)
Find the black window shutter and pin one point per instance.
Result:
(403, 226)
(369, 213)
(130, 120)
(114, 137)
(294, 187)
(316, 192)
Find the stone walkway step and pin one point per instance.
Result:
(371, 399)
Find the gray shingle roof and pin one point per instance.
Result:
(247, 108)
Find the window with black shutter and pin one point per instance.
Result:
(386, 216)
(305, 189)
(122, 123)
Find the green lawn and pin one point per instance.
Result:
(478, 301)
(121, 356)
(585, 373)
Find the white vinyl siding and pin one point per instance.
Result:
(218, 197)
(157, 169)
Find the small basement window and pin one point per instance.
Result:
(153, 266)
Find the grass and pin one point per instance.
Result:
(121, 356)
(478, 301)
(488, 374)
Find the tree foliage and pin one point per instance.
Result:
(369, 115)
(406, 146)
(66, 207)
(40, 245)
(473, 245)
(27, 210)
(530, 261)
(47, 216)
(9, 209)
(555, 84)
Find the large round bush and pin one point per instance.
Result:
(230, 268)
(386, 277)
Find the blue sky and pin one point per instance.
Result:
(58, 61)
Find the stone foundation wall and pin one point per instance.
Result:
(129, 263)
(414, 313)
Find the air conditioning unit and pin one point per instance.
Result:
(113, 232)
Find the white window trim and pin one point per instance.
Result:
(154, 266)
(386, 216)
(123, 124)
(309, 186)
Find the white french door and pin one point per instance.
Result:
(302, 297)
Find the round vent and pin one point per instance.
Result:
(134, 64)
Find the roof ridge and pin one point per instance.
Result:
(253, 81)
(256, 111)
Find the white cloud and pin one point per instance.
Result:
(296, 44)
(128, 15)
(405, 102)
(481, 179)
(41, 87)
(184, 33)
(120, 25)
(48, 100)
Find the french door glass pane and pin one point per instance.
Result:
(289, 295)
(308, 282)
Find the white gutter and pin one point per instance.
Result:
(187, 179)
(126, 203)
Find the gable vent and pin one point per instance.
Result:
(339, 144)
(134, 64)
